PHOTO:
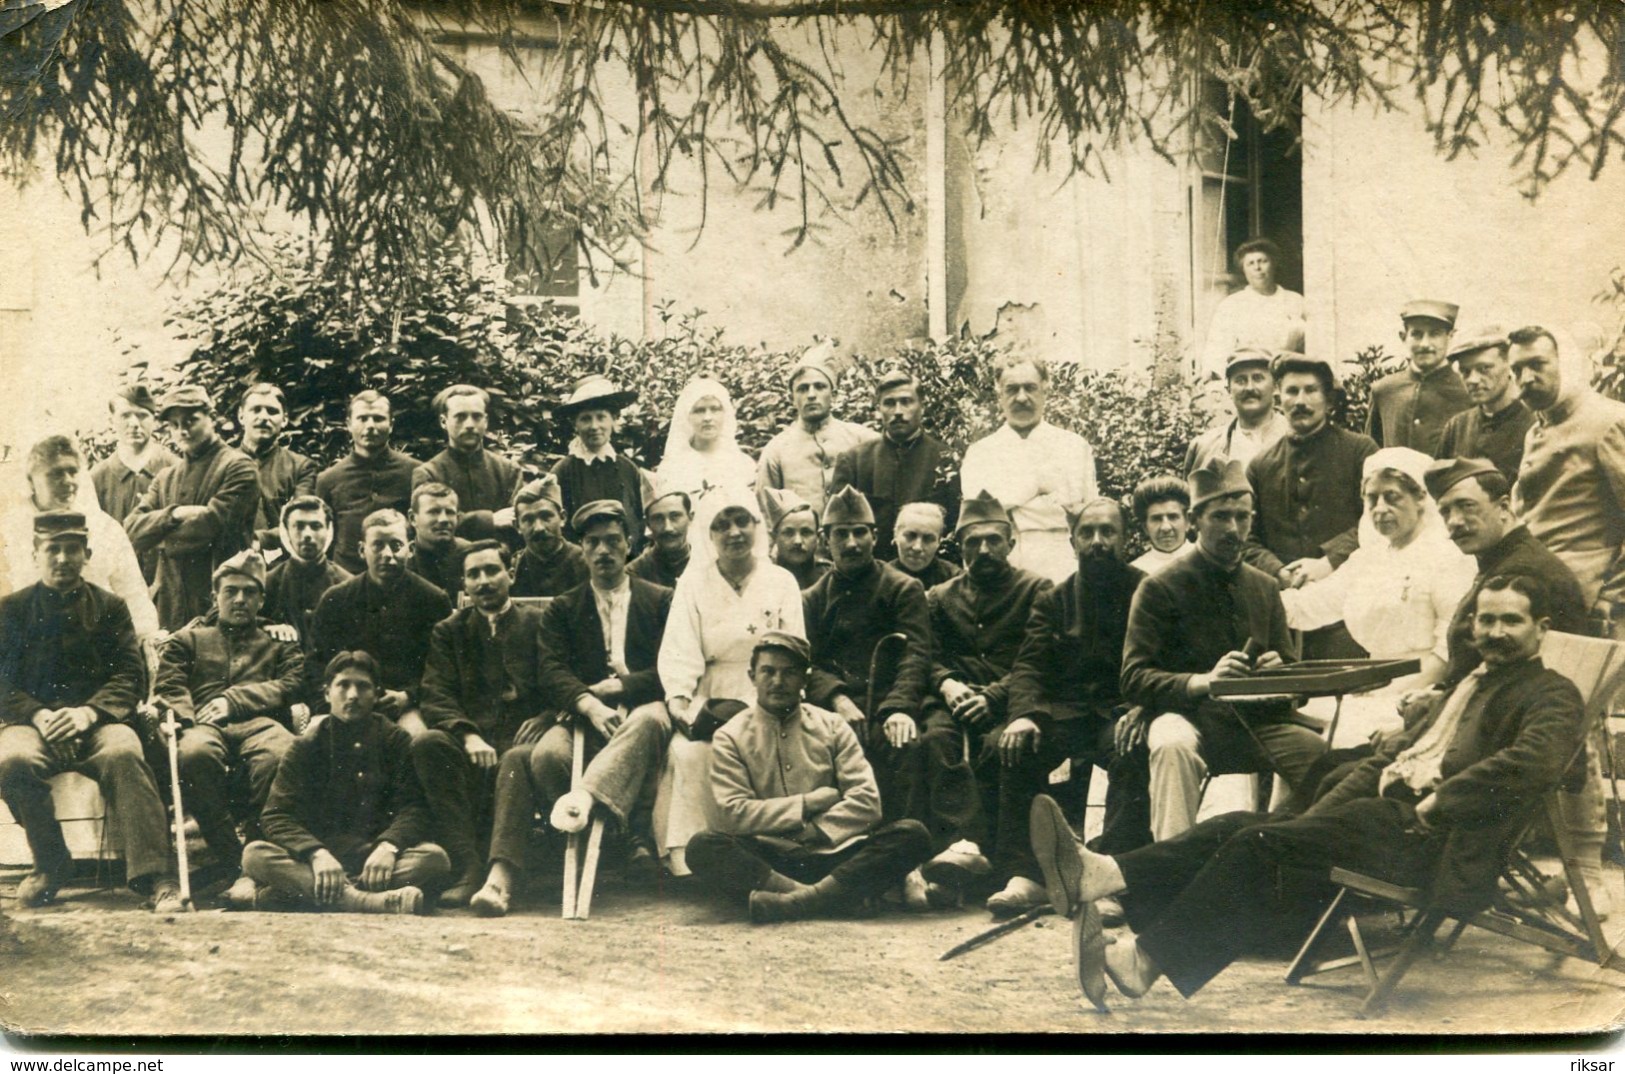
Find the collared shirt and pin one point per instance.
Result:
(613, 605)
(1151, 560)
(355, 487)
(578, 450)
(1409, 408)
(494, 619)
(804, 462)
(1571, 490)
(1498, 437)
(1234, 442)
(762, 767)
(1036, 477)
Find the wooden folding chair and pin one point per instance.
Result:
(1597, 668)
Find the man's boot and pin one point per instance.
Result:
(407, 900)
(825, 898)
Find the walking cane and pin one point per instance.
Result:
(874, 669)
(172, 734)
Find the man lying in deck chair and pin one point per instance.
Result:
(1435, 808)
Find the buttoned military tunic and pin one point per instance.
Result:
(1498, 437)
(1306, 492)
(283, 474)
(1409, 409)
(355, 487)
(483, 480)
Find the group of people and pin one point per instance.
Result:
(777, 682)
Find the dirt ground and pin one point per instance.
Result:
(666, 960)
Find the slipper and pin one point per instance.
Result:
(1089, 953)
(1056, 849)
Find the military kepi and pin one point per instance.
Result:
(1446, 474)
(52, 524)
(779, 641)
(184, 397)
(982, 507)
(245, 564)
(1216, 479)
(1479, 339)
(849, 507)
(1432, 309)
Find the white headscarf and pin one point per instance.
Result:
(1413, 464)
(698, 473)
(702, 552)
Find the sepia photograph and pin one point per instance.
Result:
(635, 519)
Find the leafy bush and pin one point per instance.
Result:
(1610, 374)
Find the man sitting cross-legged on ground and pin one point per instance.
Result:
(599, 644)
(1208, 616)
(70, 674)
(346, 825)
(978, 621)
(802, 832)
(481, 694)
(1435, 808)
(230, 684)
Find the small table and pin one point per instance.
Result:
(1315, 678)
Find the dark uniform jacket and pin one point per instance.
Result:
(346, 788)
(1071, 656)
(976, 631)
(293, 589)
(444, 568)
(581, 482)
(574, 657)
(846, 617)
(354, 488)
(1306, 494)
(808, 573)
(1519, 552)
(119, 489)
(219, 478)
(1409, 409)
(391, 624)
(63, 650)
(1514, 743)
(484, 482)
(479, 682)
(1185, 617)
(255, 673)
(283, 474)
(891, 475)
(938, 571)
(1498, 438)
(654, 566)
(536, 577)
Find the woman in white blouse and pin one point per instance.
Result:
(1398, 590)
(719, 611)
(1262, 314)
(703, 457)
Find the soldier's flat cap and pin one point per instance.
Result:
(1446, 474)
(1481, 338)
(1248, 356)
(597, 510)
(780, 641)
(893, 379)
(1218, 478)
(545, 487)
(245, 564)
(1434, 310)
(849, 507)
(780, 504)
(51, 524)
(982, 507)
(184, 397)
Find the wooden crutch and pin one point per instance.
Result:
(572, 847)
